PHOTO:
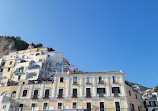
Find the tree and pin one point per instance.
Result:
(156, 88)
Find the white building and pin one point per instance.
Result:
(6, 104)
(33, 64)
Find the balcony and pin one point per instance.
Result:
(88, 83)
(152, 105)
(35, 108)
(88, 95)
(75, 83)
(101, 82)
(101, 94)
(60, 95)
(116, 95)
(46, 97)
(35, 97)
(74, 95)
(115, 82)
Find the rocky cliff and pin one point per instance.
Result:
(8, 44)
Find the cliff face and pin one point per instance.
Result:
(9, 44)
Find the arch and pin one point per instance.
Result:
(38, 54)
(5, 94)
(13, 94)
(155, 109)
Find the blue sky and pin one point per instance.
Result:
(100, 35)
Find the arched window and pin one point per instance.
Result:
(5, 94)
(13, 94)
(155, 109)
(37, 54)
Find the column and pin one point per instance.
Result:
(108, 87)
(55, 86)
(81, 88)
(94, 87)
(18, 92)
(42, 90)
(31, 89)
(68, 87)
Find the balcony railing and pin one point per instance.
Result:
(101, 94)
(88, 95)
(88, 83)
(101, 82)
(116, 94)
(60, 95)
(152, 105)
(75, 83)
(46, 97)
(74, 95)
(35, 97)
(115, 82)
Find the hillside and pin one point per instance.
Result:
(138, 87)
(11, 43)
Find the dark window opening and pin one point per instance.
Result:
(60, 95)
(61, 79)
(117, 106)
(88, 92)
(24, 93)
(88, 106)
(74, 93)
(101, 106)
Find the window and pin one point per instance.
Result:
(36, 92)
(101, 106)
(3, 63)
(74, 105)
(33, 106)
(117, 106)
(21, 107)
(21, 69)
(60, 95)
(101, 80)
(59, 105)
(152, 103)
(129, 93)
(87, 80)
(88, 92)
(75, 80)
(10, 63)
(24, 93)
(8, 69)
(132, 107)
(100, 90)
(13, 94)
(74, 93)
(5, 94)
(19, 77)
(114, 78)
(35, 96)
(1, 70)
(136, 96)
(47, 93)
(88, 106)
(45, 106)
(115, 90)
(61, 79)
(4, 106)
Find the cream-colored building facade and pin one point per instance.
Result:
(133, 98)
(99, 91)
